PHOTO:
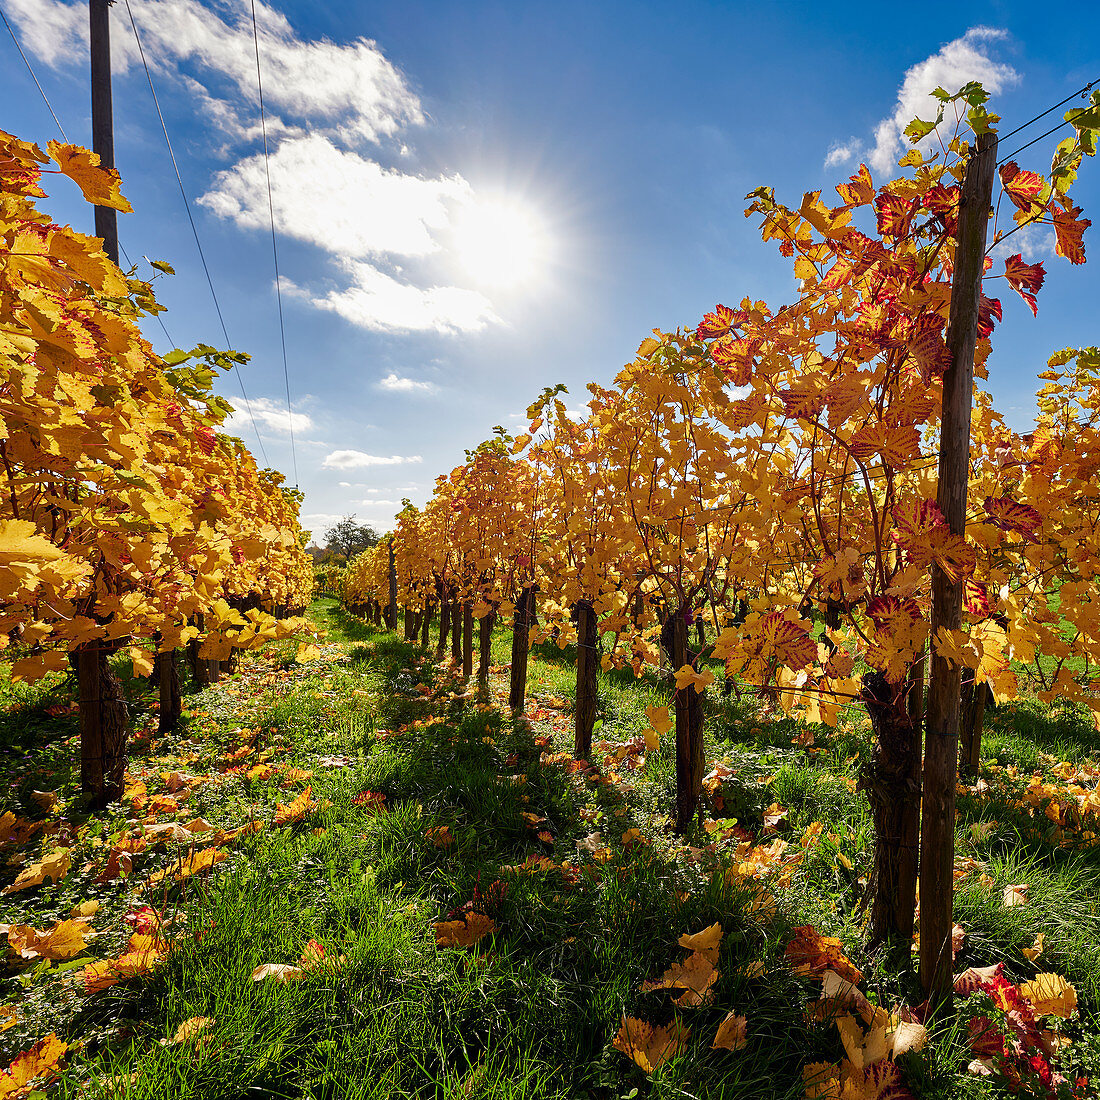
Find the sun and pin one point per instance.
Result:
(500, 242)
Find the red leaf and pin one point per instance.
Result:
(1070, 230)
(1025, 279)
(717, 323)
(1023, 188)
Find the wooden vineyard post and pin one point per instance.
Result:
(103, 717)
(456, 632)
(444, 628)
(521, 634)
(689, 730)
(937, 837)
(171, 701)
(484, 647)
(467, 639)
(971, 722)
(392, 623)
(426, 625)
(410, 624)
(584, 717)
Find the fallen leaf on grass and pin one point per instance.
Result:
(17, 830)
(54, 867)
(441, 836)
(40, 1060)
(1050, 995)
(313, 957)
(1035, 950)
(811, 953)
(464, 933)
(195, 1028)
(306, 653)
(143, 952)
(196, 863)
(281, 972)
(733, 1033)
(650, 1046)
(821, 1080)
(1015, 895)
(47, 800)
(9, 1017)
(85, 909)
(65, 940)
(696, 976)
(299, 808)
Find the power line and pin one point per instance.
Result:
(194, 228)
(1061, 103)
(33, 77)
(274, 245)
(130, 263)
(1046, 133)
(38, 85)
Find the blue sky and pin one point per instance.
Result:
(477, 200)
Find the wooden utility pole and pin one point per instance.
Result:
(941, 753)
(103, 127)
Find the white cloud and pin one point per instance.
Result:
(379, 302)
(396, 384)
(337, 200)
(380, 503)
(842, 152)
(352, 88)
(1033, 242)
(350, 460)
(267, 412)
(956, 63)
(325, 102)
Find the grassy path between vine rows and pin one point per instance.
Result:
(358, 797)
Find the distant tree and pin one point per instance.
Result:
(348, 537)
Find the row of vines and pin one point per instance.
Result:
(762, 489)
(128, 523)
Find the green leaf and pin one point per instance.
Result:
(918, 129)
(981, 121)
(163, 265)
(175, 357)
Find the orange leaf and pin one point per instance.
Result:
(648, 1045)
(733, 1033)
(41, 1059)
(464, 933)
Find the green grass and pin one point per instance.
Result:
(530, 1011)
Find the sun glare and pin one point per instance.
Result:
(500, 243)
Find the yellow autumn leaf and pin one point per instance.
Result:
(65, 940)
(307, 652)
(1050, 995)
(732, 1033)
(1036, 949)
(21, 544)
(650, 1046)
(100, 186)
(54, 867)
(659, 719)
(40, 1060)
(196, 863)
